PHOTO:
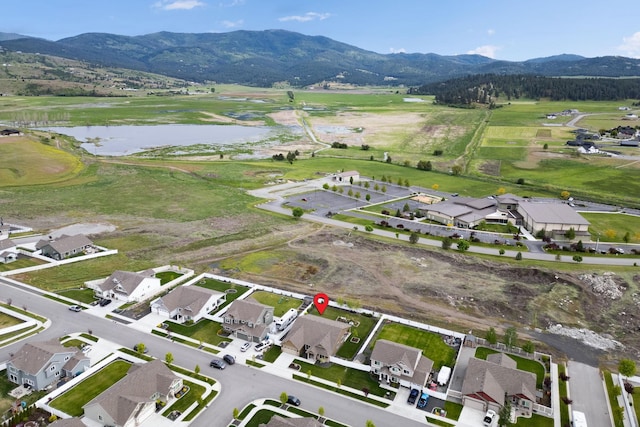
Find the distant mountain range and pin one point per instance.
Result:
(262, 58)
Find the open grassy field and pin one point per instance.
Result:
(613, 227)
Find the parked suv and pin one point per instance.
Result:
(218, 364)
(488, 418)
(413, 396)
(263, 345)
(422, 402)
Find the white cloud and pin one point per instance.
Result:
(631, 45)
(309, 16)
(233, 24)
(394, 50)
(491, 31)
(487, 50)
(178, 4)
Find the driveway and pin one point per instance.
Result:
(588, 394)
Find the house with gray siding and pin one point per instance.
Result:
(400, 364)
(65, 246)
(248, 319)
(315, 338)
(41, 364)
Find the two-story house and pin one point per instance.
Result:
(399, 363)
(186, 303)
(129, 286)
(248, 319)
(130, 401)
(488, 383)
(315, 338)
(41, 364)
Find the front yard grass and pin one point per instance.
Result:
(280, 303)
(6, 321)
(522, 363)
(365, 325)
(564, 409)
(204, 330)
(535, 421)
(348, 377)
(86, 296)
(431, 344)
(72, 401)
(186, 400)
(261, 417)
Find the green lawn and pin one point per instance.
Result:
(86, 296)
(21, 262)
(219, 286)
(365, 325)
(431, 344)
(563, 386)
(167, 276)
(261, 417)
(281, 304)
(186, 400)
(535, 421)
(522, 363)
(613, 399)
(348, 377)
(72, 401)
(204, 330)
(6, 321)
(612, 227)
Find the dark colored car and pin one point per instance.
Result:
(218, 364)
(229, 359)
(422, 402)
(413, 396)
(292, 400)
(105, 301)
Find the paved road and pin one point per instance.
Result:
(240, 384)
(587, 392)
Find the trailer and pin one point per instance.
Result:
(443, 375)
(286, 319)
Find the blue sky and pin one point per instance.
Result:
(512, 30)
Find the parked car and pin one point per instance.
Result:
(245, 346)
(292, 400)
(263, 345)
(105, 301)
(229, 359)
(218, 364)
(487, 421)
(413, 395)
(422, 402)
(75, 308)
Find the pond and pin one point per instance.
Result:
(128, 139)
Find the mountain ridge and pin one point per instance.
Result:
(262, 58)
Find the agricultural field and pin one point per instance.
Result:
(192, 208)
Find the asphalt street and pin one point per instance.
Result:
(240, 384)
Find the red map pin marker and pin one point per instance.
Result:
(321, 301)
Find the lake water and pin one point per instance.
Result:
(126, 140)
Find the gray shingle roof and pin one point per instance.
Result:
(68, 422)
(494, 380)
(65, 243)
(7, 244)
(552, 213)
(392, 353)
(247, 309)
(127, 279)
(33, 356)
(141, 382)
(278, 421)
(322, 335)
(189, 298)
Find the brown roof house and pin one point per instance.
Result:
(129, 286)
(130, 401)
(41, 364)
(8, 251)
(68, 422)
(315, 338)
(248, 319)
(65, 246)
(278, 421)
(488, 383)
(188, 303)
(399, 363)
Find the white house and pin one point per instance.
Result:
(129, 286)
(8, 251)
(186, 303)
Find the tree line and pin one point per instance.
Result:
(488, 88)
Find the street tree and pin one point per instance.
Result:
(463, 245)
(168, 358)
(510, 337)
(283, 397)
(504, 416)
(414, 237)
(627, 367)
(446, 243)
(297, 212)
(491, 337)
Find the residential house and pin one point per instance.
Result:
(347, 176)
(248, 319)
(399, 363)
(315, 338)
(129, 286)
(8, 251)
(41, 364)
(188, 303)
(130, 401)
(65, 246)
(279, 421)
(488, 384)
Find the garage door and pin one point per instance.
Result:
(243, 336)
(474, 404)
